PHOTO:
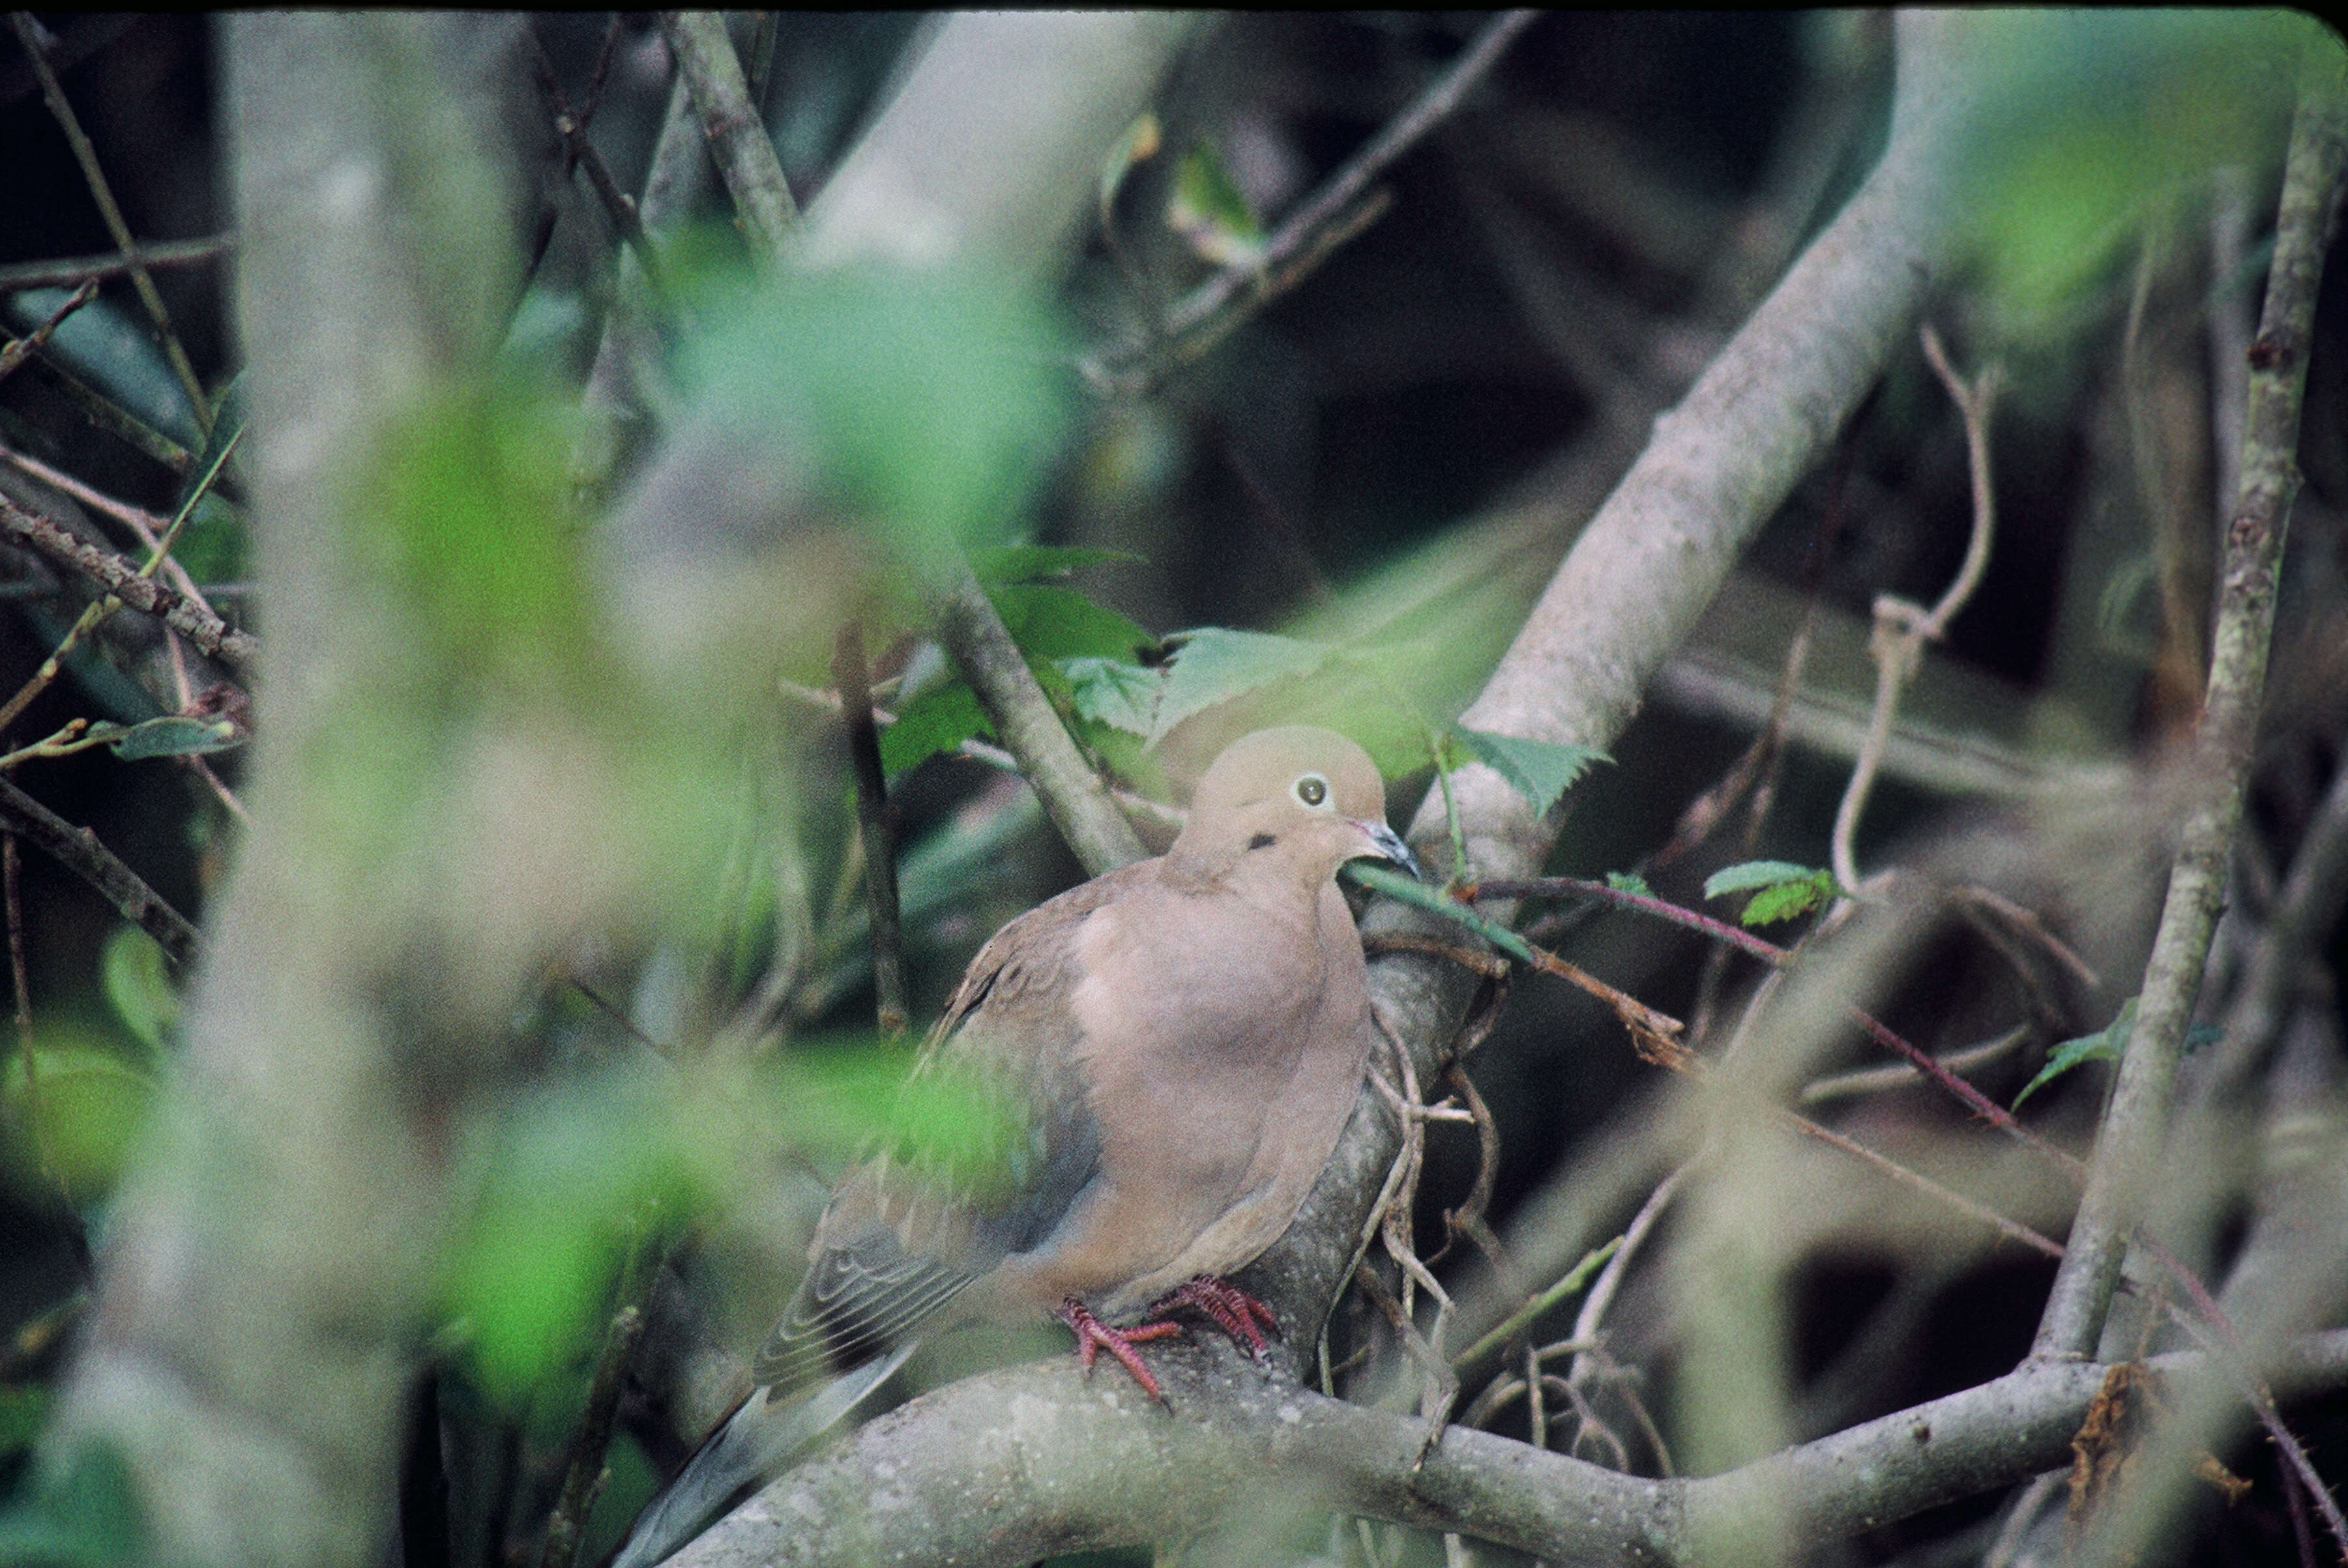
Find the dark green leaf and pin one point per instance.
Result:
(23, 1410)
(1214, 664)
(109, 345)
(174, 735)
(938, 720)
(1212, 212)
(1110, 691)
(2105, 1045)
(1539, 771)
(1038, 563)
(139, 983)
(1049, 621)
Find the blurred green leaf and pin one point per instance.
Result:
(91, 1107)
(1110, 692)
(927, 401)
(1540, 771)
(1048, 621)
(1037, 563)
(1628, 882)
(2098, 118)
(109, 345)
(468, 519)
(939, 719)
(138, 981)
(1209, 211)
(84, 1514)
(571, 1166)
(1214, 664)
(24, 1411)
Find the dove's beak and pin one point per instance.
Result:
(1386, 844)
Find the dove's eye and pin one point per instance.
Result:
(1311, 789)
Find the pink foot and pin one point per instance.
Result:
(1093, 1337)
(1231, 1309)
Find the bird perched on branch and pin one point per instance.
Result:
(1177, 1044)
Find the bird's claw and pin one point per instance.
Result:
(1229, 1309)
(1093, 1337)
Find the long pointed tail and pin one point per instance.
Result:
(756, 1440)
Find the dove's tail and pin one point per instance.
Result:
(756, 1440)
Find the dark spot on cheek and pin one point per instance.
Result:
(1262, 841)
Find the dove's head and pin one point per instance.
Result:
(1308, 795)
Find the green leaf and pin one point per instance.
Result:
(1214, 664)
(172, 735)
(1110, 692)
(1785, 889)
(1212, 212)
(1628, 882)
(1037, 563)
(1787, 900)
(939, 719)
(1751, 873)
(111, 347)
(1539, 771)
(137, 982)
(2105, 1045)
(1049, 621)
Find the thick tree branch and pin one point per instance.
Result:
(1033, 1461)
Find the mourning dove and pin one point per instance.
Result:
(1180, 1041)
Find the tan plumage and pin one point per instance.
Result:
(1181, 1040)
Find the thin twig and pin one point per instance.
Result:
(1901, 629)
(129, 584)
(1600, 1299)
(584, 153)
(1323, 219)
(146, 525)
(850, 674)
(100, 608)
(36, 1118)
(591, 1436)
(738, 143)
(28, 32)
(79, 851)
(2010, 1229)
(82, 269)
(2135, 1119)
(19, 350)
(1074, 797)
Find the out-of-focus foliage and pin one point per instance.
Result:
(924, 403)
(2099, 122)
(576, 1170)
(81, 1104)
